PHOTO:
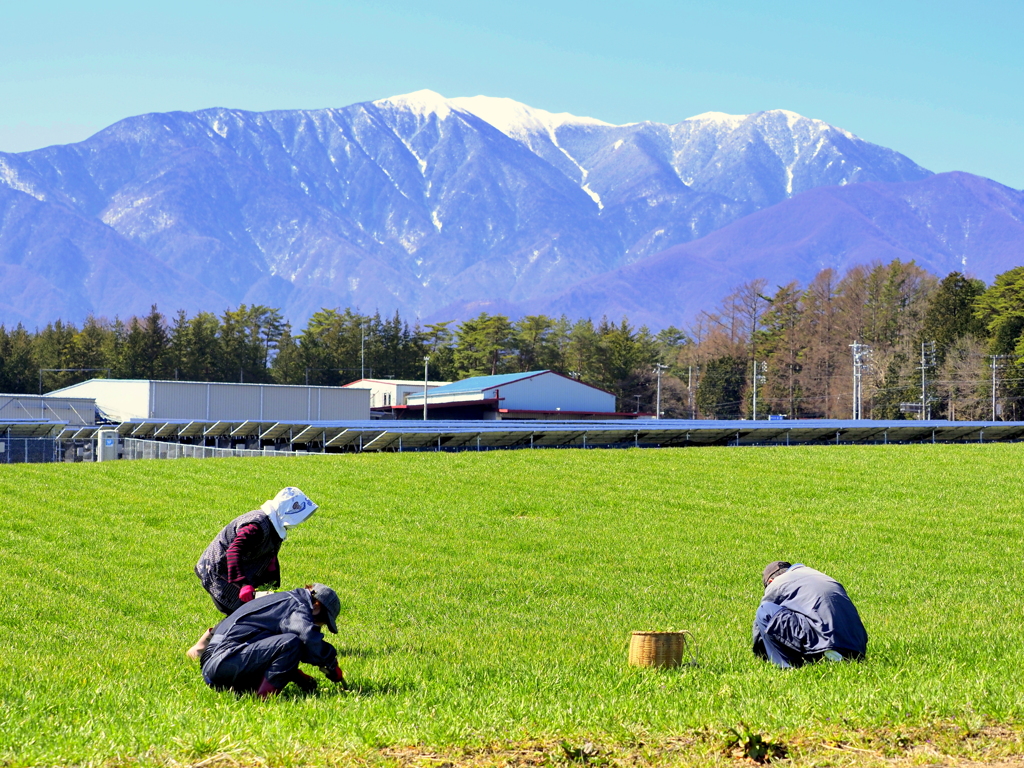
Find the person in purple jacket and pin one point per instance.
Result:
(258, 648)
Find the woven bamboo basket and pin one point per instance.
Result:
(658, 649)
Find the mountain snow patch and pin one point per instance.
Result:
(421, 103)
(518, 120)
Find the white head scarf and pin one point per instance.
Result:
(290, 507)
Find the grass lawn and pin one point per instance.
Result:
(487, 601)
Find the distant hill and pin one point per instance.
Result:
(431, 206)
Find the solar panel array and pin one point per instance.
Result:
(32, 428)
(481, 435)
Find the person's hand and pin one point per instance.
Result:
(246, 593)
(335, 675)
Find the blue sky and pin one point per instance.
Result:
(941, 82)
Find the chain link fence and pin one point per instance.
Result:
(29, 450)
(134, 448)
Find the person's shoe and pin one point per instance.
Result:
(305, 682)
(831, 655)
(196, 651)
(266, 689)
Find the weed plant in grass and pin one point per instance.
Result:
(490, 596)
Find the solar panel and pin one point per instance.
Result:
(167, 430)
(192, 429)
(343, 438)
(309, 434)
(32, 427)
(275, 431)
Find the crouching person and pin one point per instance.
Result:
(805, 616)
(258, 648)
(243, 555)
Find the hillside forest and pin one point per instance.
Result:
(947, 349)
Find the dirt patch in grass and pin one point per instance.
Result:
(947, 745)
(991, 748)
(940, 746)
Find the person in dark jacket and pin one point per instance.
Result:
(243, 556)
(258, 648)
(805, 616)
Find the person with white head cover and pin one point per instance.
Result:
(289, 508)
(243, 556)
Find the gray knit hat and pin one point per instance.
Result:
(773, 569)
(329, 600)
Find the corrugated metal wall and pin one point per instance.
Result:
(78, 411)
(549, 392)
(346, 403)
(255, 402)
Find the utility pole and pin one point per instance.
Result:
(995, 366)
(927, 361)
(362, 353)
(658, 368)
(426, 362)
(759, 371)
(860, 351)
(689, 390)
(753, 416)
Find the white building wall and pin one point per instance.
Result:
(117, 399)
(292, 405)
(550, 392)
(177, 400)
(231, 402)
(390, 392)
(339, 404)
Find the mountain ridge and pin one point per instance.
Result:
(414, 202)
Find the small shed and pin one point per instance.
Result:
(122, 400)
(531, 395)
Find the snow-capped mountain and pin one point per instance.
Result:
(416, 202)
(947, 222)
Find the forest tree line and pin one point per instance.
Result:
(938, 346)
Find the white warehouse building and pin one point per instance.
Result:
(122, 400)
(532, 395)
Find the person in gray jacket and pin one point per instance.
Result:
(805, 616)
(258, 648)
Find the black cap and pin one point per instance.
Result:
(773, 569)
(329, 600)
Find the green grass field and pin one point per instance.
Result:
(487, 599)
